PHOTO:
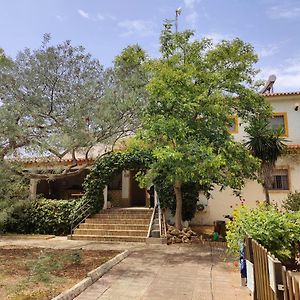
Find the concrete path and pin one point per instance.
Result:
(156, 271)
(169, 272)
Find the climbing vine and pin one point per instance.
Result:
(107, 167)
(110, 165)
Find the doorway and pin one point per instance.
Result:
(137, 194)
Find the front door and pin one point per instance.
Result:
(137, 194)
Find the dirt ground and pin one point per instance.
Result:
(38, 273)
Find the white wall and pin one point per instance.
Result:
(223, 203)
(282, 104)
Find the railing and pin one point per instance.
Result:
(80, 215)
(162, 222)
(267, 279)
(151, 221)
(161, 219)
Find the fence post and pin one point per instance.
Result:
(250, 264)
(279, 292)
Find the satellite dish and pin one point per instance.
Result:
(269, 85)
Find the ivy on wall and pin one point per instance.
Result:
(108, 166)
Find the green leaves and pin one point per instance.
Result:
(44, 216)
(263, 142)
(275, 230)
(292, 203)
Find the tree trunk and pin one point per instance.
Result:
(267, 195)
(267, 169)
(178, 214)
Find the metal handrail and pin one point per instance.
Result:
(161, 220)
(165, 225)
(80, 217)
(159, 217)
(151, 221)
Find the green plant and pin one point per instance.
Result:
(41, 268)
(292, 203)
(275, 230)
(266, 145)
(195, 89)
(75, 256)
(166, 194)
(43, 216)
(107, 167)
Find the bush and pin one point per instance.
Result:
(166, 194)
(42, 216)
(292, 202)
(275, 230)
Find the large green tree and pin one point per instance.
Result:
(195, 90)
(58, 100)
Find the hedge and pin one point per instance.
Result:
(41, 216)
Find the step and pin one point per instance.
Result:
(108, 238)
(121, 216)
(155, 233)
(155, 227)
(118, 221)
(126, 211)
(138, 233)
(114, 226)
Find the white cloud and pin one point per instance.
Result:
(287, 73)
(267, 51)
(218, 37)
(192, 19)
(102, 17)
(61, 18)
(190, 3)
(284, 11)
(83, 13)
(137, 27)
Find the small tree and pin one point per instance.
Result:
(266, 145)
(194, 91)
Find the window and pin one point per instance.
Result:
(279, 120)
(280, 179)
(234, 125)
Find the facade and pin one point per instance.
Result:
(124, 191)
(286, 175)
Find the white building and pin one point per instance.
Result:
(125, 192)
(286, 175)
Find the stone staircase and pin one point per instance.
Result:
(116, 224)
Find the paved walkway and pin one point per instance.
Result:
(157, 272)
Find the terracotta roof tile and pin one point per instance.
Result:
(295, 146)
(281, 94)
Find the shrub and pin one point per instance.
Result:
(166, 194)
(292, 202)
(42, 216)
(275, 230)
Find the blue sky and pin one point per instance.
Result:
(105, 27)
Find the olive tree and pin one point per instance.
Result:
(58, 100)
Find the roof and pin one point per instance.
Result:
(295, 146)
(51, 161)
(293, 149)
(281, 94)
